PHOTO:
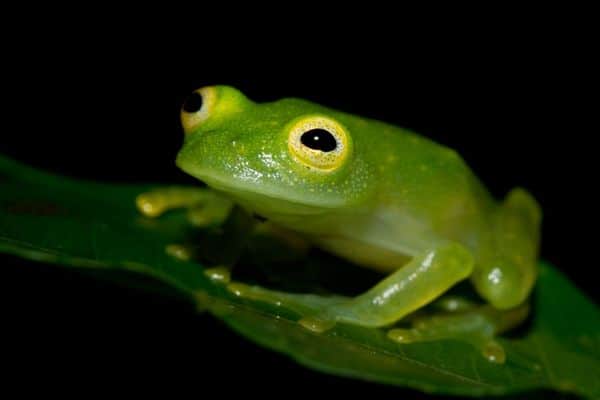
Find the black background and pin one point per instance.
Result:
(515, 108)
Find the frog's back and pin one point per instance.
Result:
(437, 185)
(425, 193)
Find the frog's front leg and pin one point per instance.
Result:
(206, 207)
(411, 287)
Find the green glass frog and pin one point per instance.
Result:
(377, 195)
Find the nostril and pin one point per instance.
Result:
(193, 103)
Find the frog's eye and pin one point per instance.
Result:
(319, 143)
(197, 108)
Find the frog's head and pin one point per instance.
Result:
(288, 156)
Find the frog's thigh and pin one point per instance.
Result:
(506, 275)
(206, 207)
(417, 283)
(477, 327)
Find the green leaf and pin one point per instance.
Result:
(93, 225)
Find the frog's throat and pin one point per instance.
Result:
(263, 200)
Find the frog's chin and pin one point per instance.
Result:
(263, 200)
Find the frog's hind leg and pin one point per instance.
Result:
(411, 287)
(477, 326)
(419, 282)
(507, 270)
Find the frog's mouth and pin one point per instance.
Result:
(262, 199)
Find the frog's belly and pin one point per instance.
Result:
(364, 254)
(383, 239)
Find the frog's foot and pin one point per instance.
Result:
(301, 304)
(207, 208)
(453, 303)
(477, 327)
(181, 252)
(219, 274)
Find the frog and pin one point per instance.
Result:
(377, 195)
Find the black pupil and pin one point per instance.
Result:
(193, 103)
(319, 139)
